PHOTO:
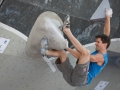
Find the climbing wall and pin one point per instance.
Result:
(19, 72)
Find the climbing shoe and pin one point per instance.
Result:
(44, 46)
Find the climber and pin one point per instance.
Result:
(87, 65)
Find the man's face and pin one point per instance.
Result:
(99, 44)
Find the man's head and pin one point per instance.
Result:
(102, 42)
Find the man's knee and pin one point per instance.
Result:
(84, 58)
(63, 55)
(85, 53)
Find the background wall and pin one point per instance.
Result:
(21, 15)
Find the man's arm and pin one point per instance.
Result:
(76, 54)
(97, 58)
(107, 22)
(107, 26)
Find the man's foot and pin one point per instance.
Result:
(66, 22)
(44, 46)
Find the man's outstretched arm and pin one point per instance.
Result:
(107, 22)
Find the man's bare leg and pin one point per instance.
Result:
(84, 53)
(57, 53)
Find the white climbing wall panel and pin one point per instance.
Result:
(19, 72)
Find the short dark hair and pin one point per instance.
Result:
(104, 38)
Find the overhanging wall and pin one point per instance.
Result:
(21, 15)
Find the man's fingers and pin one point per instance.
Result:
(109, 12)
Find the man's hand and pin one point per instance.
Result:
(109, 12)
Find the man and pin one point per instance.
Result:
(88, 65)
